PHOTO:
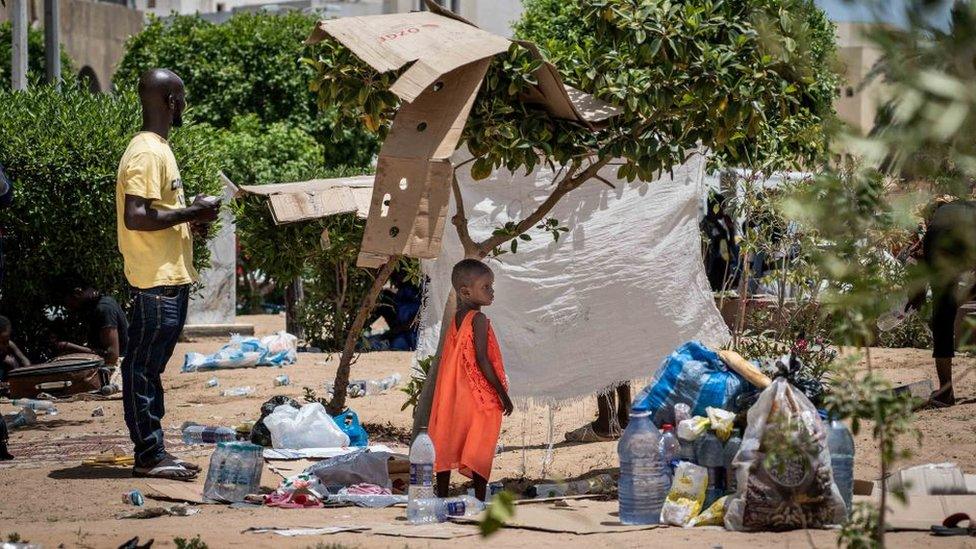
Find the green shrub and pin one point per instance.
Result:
(62, 151)
(35, 56)
(247, 65)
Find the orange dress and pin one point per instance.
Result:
(466, 415)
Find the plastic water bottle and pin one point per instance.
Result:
(681, 412)
(643, 482)
(235, 471)
(670, 448)
(282, 380)
(207, 434)
(237, 391)
(439, 509)
(23, 418)
(731, 449)
(134, 497)
(841, 445)
(213, 382)
(421, 479)
(595, 485)
(710, 455)
(45, 406)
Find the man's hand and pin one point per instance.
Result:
(507, 404)
(205, 208)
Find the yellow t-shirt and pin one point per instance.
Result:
(153, 258)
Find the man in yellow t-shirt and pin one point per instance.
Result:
(155, 238)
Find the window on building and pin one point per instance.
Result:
(151, 4)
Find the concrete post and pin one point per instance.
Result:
(18, 61)
(52, 41)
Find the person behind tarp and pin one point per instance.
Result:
(399, 308)
(949, 253)
(722, 251)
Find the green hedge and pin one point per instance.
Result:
(62, 150)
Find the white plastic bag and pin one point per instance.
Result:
(687, 494)
(282, 348)
(307, 427)
(782, 468)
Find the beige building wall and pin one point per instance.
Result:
(93, 34)
(858, 100)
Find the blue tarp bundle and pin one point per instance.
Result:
(692, 374)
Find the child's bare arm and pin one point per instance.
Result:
(480, 325)
(21, 359)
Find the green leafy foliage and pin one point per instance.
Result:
(415, 385)
(62, 151)
(246, 65)
(499, 512)
(195, 543)
(35, 56)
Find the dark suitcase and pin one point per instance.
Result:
(63, 376)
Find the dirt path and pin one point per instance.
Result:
(48, 497)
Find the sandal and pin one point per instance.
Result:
(186, 464)
(586, 433)
(950, 526)
(166, 468)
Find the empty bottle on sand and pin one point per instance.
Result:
(643, 481)
(841, 445)
(731, 449)
(208, 434)
(421, 478)
(599, 484)
(440, 509)
(710, 454)
(670, 448)
(45, 406)
(282, 380)
(237, 391)
(23, 418)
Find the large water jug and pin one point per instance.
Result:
(235, 471)
(421, 478)
(841, 445)
(643, 479)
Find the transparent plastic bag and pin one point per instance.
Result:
(307, 427)
(713, 516)
(782, 469)
(687, 494)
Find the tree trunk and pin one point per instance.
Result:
(338, 402)
(294, 294)
(421, 414)
(740, 319)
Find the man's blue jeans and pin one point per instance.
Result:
(156, 319)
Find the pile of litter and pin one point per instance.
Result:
(246, 352)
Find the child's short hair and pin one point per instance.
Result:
(466, 270)
(4, 324)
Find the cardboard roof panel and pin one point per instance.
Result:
(301, 201)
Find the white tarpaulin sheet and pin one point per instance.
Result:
(608, 301)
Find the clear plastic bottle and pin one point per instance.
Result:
(421, 478)
(731, 449)
(237, 391)
(710, 454)
(643, 481)
(23, 418)
(670, 448)
(213, 382)
(235, 471)
(841, 445)
(681, 412)
(134, 497)
(282, 380)
(45, 406)
(594, 485)
(208, 434)
(439, 509)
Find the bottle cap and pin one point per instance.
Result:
(667, 427)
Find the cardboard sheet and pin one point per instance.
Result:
(304, 200)
(580, 517)
(921, 512)
(449, 57)
(176, 491)
(426, 531)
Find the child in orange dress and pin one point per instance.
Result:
(472, 391)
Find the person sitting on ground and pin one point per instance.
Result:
(949, 255)
(399, 309)
(606, 427)
(471, 394)
(10, 355)
(106, 328)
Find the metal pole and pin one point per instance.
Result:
(52, 41)
(18, 61)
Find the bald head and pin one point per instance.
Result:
(163, 97)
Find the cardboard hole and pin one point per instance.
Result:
(422, 126)
(438, 86)
(385, 205)
(403, 183)
(394, 231)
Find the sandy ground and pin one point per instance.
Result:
(50, 498)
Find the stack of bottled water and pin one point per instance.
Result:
(235, 472)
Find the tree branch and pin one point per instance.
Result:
(567, 184)
(460, 220)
